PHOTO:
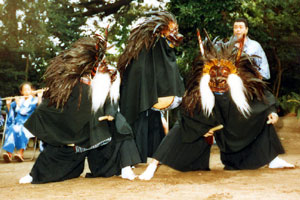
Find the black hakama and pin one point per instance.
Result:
(62, 163)
(153, 74)
(183, 156)
(264, 148)
(244, 143)
(73, 133)
(149, 133)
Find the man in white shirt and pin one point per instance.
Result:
(251, 47)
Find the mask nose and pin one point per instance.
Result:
(179, 37)
(176, 38)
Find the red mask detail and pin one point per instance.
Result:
(218, 78)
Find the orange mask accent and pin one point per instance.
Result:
(172, 35)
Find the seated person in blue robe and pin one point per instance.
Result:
(1, 117)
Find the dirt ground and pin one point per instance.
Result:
(217, 184)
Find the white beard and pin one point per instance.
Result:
(115, 90)
(237, 91)
(100, 87)
(207, 97)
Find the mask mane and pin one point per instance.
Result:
(221, 67)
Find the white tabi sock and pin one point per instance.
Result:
(25, 179)
(149, 172)
(278, 163)
(127, 173)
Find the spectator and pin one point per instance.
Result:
(16, 135)
(251, 47)
(1, 117)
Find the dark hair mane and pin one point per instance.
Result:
(247, 70)
(66, 69)
(144, 35)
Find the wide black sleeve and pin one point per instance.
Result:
(67, 125)
(271, 101)
(110, 108)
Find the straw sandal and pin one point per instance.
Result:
(19, 158)
(7, 157)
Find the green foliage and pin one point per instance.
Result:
(29, 27)
(23, 41)
(26, 45)
(123, 22)
(34, 31)
(64, 21)
(290, 103)
(214, 16)
(275, 24)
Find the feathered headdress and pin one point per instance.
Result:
(223, 67)
(66, 69)
(146, 34)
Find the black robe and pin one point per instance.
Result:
(109, 145)
(245, 143)
(152, 75)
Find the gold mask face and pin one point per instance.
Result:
(219, 70)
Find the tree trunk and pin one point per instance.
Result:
(27, 68)
(277, 83)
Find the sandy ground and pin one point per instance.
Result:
(217, 184)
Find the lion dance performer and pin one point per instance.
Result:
(79, 118)
(225, 98)
(150, 79)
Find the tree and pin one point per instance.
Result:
(28, 29)
(64, 22)
(23, 39)
(275, 24)
(100, 8)
(34, 31)
(120, 22)
(214, 16)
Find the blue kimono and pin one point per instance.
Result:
(16, 135)
(1, 117)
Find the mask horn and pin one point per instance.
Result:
(240, 50)
(200, 43)
(106, 35)
(100, 57)
(210, 43)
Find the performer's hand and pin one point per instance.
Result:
(40, 93)
(110, 118)
(18, 101)
(8, 101)
(272, 118)
(209, 133)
